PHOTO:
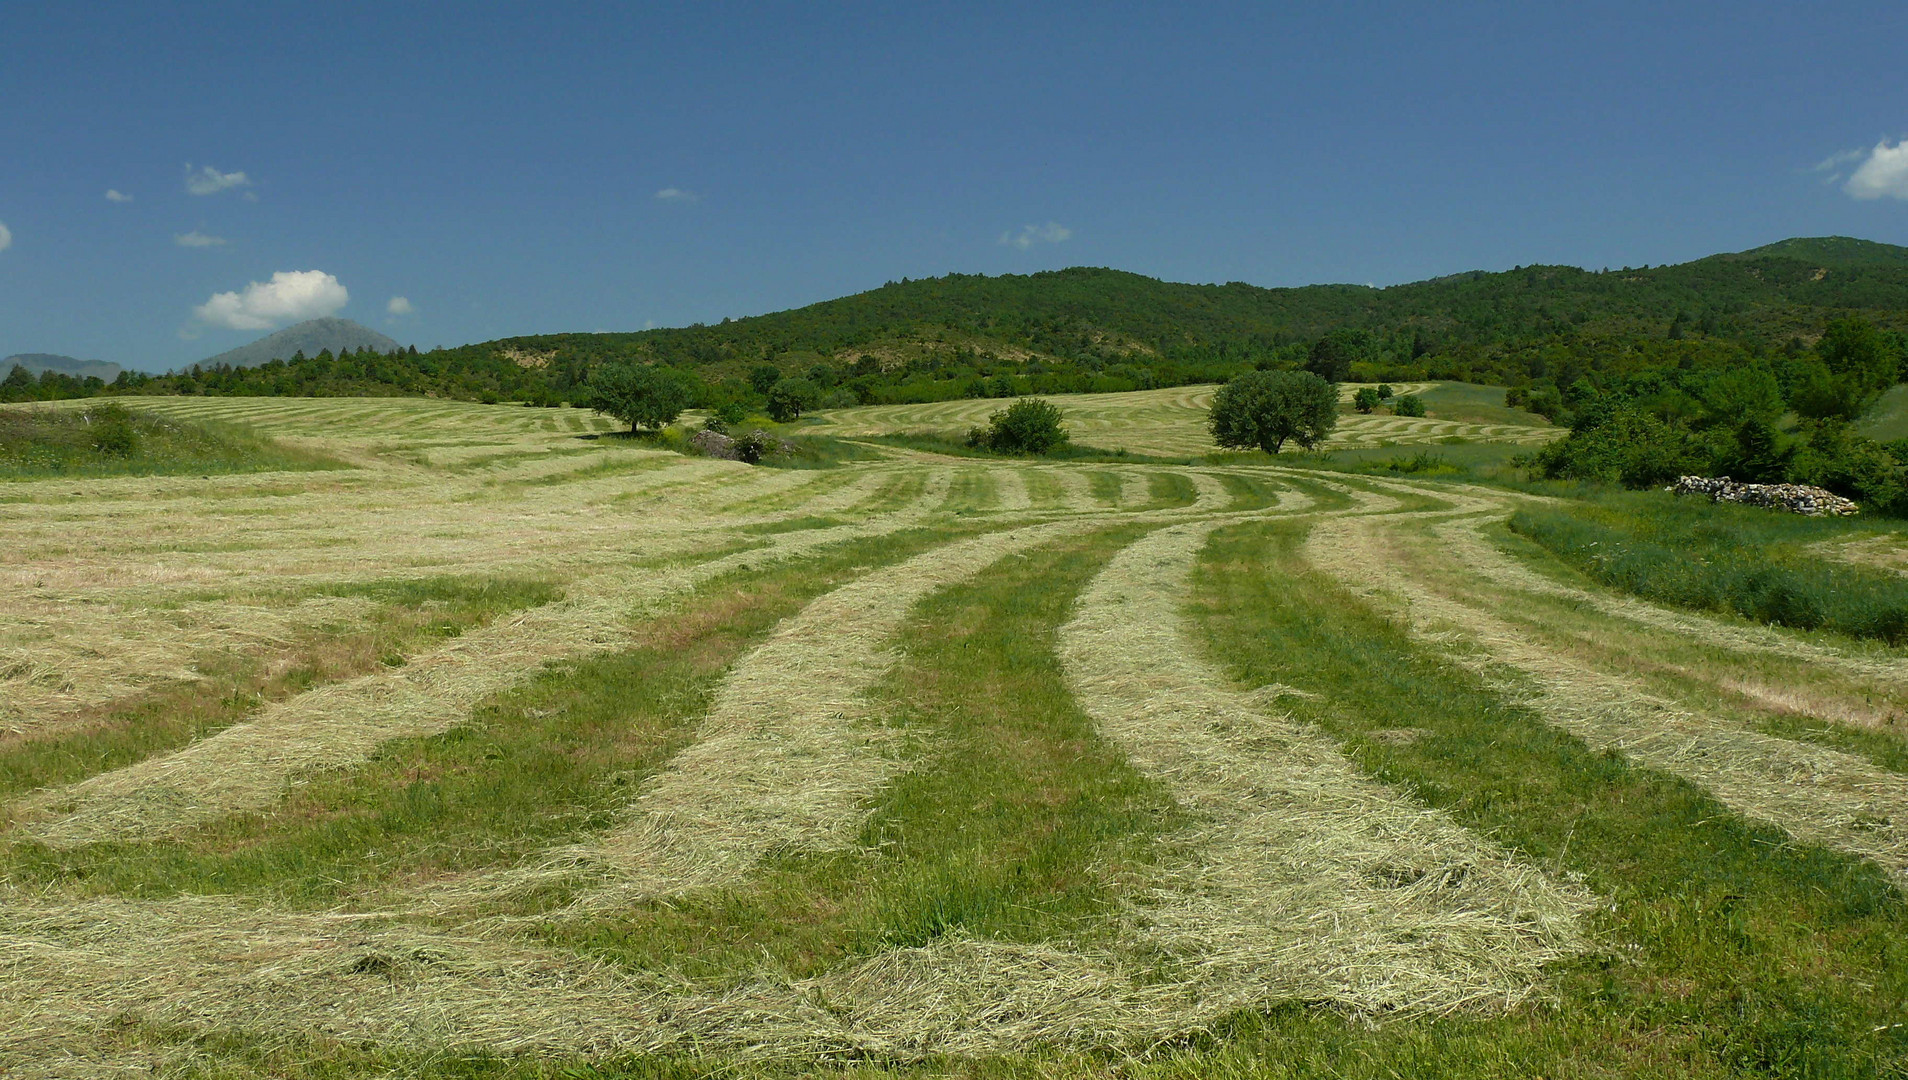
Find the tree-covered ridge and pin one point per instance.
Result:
(1538, 328)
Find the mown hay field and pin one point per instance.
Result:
(1172, 423)
(515, 750)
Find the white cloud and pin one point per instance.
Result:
(6, 237)
(1885, 172)
(115, 195)
(676, 194)
(291, 296)
(1051, 233)
(210, 181)
(195, 238)
(398, 305)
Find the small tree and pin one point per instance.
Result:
(1366, 399)
(1028, 426)
(639, 395)
(790, 398)
(1408, 405)
(764, 377)
(1384, 391)
(1264, 408)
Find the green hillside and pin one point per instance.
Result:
(1087, 329)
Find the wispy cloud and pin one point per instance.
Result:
(197, 239)
(398, 306)
(207, 180)
(1883, 172)
(115, 195)
(676, 194)
(291, 296)
(6, 237)
(1051, 233)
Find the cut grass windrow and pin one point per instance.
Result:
(1814, 793)
(784, 760)
(248, 765)
(1307, 881)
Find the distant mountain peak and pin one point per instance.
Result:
(310, 337)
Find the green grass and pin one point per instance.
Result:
(104, 438)
(1727, 949)
(536, 766)
(1008, 826)
(1475, 404)
(1887, 419)
(937, 443)
(1721, 557)
(413, 615)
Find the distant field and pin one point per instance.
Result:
(1888, 419)
(512, 751)
(1172, 423)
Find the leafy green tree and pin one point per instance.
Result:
(764, 377)
(1408, 405)
(640, 395)
(1028, 426)
(1265, 408)
(1384, 388)
(1366, 399)
(790, 398)
(1334, 354)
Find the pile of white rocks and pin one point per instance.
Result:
(1795, 498)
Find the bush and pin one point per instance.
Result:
(1408, 405)
(1366, 399)
(1028, 426)
(640, 395)
(790, 398)
(1384, 391)
(1262, 409)
(1623, 446)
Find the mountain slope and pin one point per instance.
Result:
(65, 365)
(310, 337)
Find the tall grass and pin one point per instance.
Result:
(107, 439)
(1719, 557)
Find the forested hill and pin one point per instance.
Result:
(1098, 329)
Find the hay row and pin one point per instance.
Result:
(249, 765)
(1464, 539)
(1815, 794)
(1308, 880)
(784, 760)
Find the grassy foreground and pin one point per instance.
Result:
(632, 594)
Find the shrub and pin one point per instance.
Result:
(1384, 391)
(1408, 405)
(1623, 446)
(1028, 426)
(640, 395)
(1264, 408)
(790, 398)
(1366, 399)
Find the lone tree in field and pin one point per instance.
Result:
(788, 399)
(1028, 426)
(1264, 408)
(1366, 399)
(640, 395)
(1408, 405)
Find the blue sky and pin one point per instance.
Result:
(519, 168)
